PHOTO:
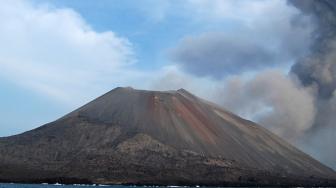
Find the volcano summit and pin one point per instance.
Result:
(130, 136)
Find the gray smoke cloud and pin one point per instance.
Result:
(261, 43)
(318, 70)
(300, 106)
(272, 99)
(218, 54)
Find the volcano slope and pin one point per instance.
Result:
(130, 136)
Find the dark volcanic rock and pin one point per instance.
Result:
(132, 136)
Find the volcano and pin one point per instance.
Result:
(141, 137)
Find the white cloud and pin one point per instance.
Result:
(55, 52)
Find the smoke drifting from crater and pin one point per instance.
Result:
(272, 99)
(300, 106)
(318, 70)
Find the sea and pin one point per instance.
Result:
(15, 185)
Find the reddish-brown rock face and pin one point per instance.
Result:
(132, 136)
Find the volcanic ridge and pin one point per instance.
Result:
(141, 137)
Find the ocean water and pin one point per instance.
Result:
(12, 185)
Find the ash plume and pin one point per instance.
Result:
(319, 68)
(300, 106)
(318, 71)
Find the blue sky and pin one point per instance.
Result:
(59, 54)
